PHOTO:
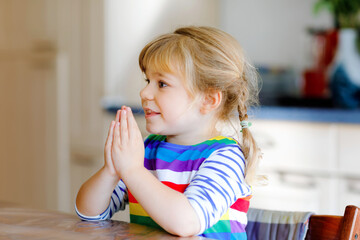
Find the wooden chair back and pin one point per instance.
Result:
(332, 227)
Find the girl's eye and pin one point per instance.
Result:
(147, 80)
(162, 84)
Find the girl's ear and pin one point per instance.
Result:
(211, 101)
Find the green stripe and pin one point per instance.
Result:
(156, 137)
(144, 221)
(224, 140)
(219, 227)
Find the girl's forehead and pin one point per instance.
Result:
(163, 65)
(165, 75)
(163, 70)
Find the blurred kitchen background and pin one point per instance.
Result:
(65, 65)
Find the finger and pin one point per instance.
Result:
(109, 133)
(109, 137)
(132, 125)
(117, 118)
(115, 146)
(124, 133)
(116, 137)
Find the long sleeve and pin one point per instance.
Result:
(119, 199)
(217, 185)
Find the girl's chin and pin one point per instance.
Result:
(156, 131)
(152, 130)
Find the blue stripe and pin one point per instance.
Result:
(111, 213)
(222, 175)
(119, 199)
(226, 165)
(240, 156)
(117, 195)
(209, 199)
(227, 235)
(223, 192)
(122, 189)
(209, 144)
(217, 190)
(113, 202)
(106, 212)
(236, 162)
(230, 168)
(169, 156)
(231, 150)
(99, 217)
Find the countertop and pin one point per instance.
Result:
(286, 108)
(24, 223)
(307, 114)
(326, 115)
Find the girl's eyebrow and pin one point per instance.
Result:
(161, 75)
(167, 77)
(154, 74)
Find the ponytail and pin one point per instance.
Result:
(251, 151)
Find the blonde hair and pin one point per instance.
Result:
(210, 59)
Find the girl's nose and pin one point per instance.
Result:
(146, 93)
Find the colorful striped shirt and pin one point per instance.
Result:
(210, 174)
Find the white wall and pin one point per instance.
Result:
(129, 25)
(273, 32)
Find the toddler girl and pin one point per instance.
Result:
(187, 178)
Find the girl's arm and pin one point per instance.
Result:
(94, 195)
(169, 208)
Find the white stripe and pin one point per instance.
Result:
(237, 216)
(92, 218)
(174, 177)
(119, 200)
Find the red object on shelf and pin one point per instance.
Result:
(327, 48)
(315, 78)
(315, 83)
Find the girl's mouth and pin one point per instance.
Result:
(150, 113)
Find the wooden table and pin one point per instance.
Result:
(30, 224)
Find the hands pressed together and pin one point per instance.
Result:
(124, 147)
(124, 159)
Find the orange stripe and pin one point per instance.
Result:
(242, 204)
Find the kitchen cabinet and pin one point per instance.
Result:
(310, 166)
(349, 191)
(296, 145)
(31, 92)
(349, 150)
(51, 84)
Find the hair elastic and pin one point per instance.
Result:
(245, 124)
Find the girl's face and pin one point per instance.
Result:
(169, 109)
